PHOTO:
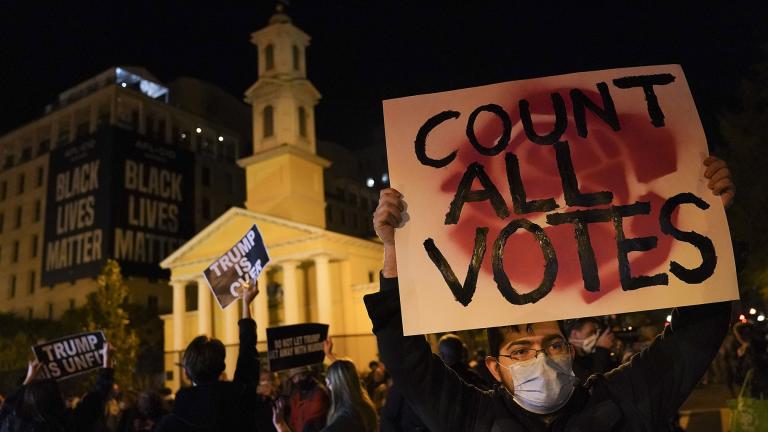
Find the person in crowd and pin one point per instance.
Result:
(308, 402)
(480, 369)
(39, 407)
(144, 415)
(268, 395)
(397, 414)
(453, 352)
(532, 364)
(592, 348)
(351, 408)
(210, 404)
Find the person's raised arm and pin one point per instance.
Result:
(247, 369)
(660, 378)
(386, 218)
(433, 390)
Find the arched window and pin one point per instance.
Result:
(302, 121)
(296, 57)
(269, 57)
(269, 121)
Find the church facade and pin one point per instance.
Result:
(315, 275)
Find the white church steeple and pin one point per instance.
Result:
(283, 100)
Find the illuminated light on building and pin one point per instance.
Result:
(761, 317)
(198, 130)
(221, 138)
(370, 182)
(752, 311)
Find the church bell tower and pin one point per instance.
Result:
(284, 177)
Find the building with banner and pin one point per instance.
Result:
(315, 274)
(120, 166)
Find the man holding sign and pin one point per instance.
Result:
(532, 363)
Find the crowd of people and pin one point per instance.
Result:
(539, 377)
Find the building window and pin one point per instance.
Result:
(2, 221)
(26, 154)
(230, 183)
(296, 55)
(30, 311)
(50, 311)
(329, 214)
(12, 286)
(206, 176)
(370, 277)
(82, 129)
(269, 57)
(71, 304)
(8, 161)
(3, 190)
(18, 217)
(152, 302)
(63, 136)
(206, 208)
(269, 121)
(32, 282)
(38, 210)
(44, 146)
(20, 188)
(34, 246)
(302, 121)
(190, 293)
(15, 252)
(40, 176)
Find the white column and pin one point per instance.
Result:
(324, 298)
(290, 292)
(261, 313)
(204, 297)
(179, 309)
(231, 317)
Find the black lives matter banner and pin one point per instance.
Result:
(70, 356)
(296, 345)
(243, 262)
(115, 195)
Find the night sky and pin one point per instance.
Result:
(363, 52)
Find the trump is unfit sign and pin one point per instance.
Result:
(72, 355)
(557, 197)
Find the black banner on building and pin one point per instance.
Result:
(70, 356)
(154, 213)
(295, 345)
(115, 195)
(243, 262)
(76, 241)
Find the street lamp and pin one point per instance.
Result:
(752, 311)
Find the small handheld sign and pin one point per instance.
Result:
(242, 263)
(296, 345)
(71, 355)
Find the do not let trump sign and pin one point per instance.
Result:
(552, 198)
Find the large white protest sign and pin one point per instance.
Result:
(543, 199)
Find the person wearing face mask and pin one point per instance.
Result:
(592, 347)
(536, 388)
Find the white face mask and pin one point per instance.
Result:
(588, 344)
(543, 384)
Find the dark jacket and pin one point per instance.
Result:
(598, 362)
(345, 422)
(221, 405)
(83, 418)
(641, 395)
(397, 414)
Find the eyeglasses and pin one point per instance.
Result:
(556, 347)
